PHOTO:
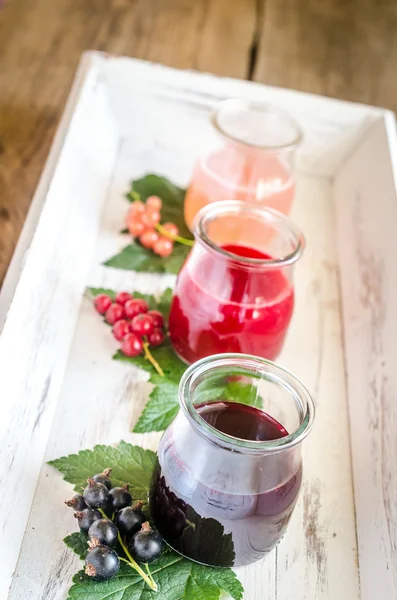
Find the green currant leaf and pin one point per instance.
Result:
(149, 299)
(93, 291)
(176, 577)
(129, 464)
(78, 543)
(172, 196)
(162, 407)
(243, 393)
(136, 258)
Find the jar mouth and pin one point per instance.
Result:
(269, 371)
(269, 216)
(234, 118)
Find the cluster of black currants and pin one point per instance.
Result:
(108, 517)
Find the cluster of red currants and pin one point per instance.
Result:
(133, 323)
(142, 221)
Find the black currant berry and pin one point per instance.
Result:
(104, 531)
(77, 502)
(120, 497)
(108, 509)
(96, 494)
(86, 517)
(102, 563)
(130, 519)
(146, 545)
(104, 478)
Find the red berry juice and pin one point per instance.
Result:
(204, 522)
(221, 307)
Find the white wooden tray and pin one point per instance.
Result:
(60, 391)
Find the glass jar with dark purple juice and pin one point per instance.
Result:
(229, 467)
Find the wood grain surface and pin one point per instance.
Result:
(342, 49)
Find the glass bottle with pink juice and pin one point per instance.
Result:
(253, 159)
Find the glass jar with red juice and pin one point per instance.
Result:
(235, 291)
(228, 474)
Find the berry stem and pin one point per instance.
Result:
(149, 356)
(133, 564)
(174, 238)
(134, 196)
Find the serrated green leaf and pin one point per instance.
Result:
(129, 464)
(177, 579)
(78, 543)
(162, 407)
(136, 258)
(93, 291)
(172, 196)
(149, 299)
(243, 393)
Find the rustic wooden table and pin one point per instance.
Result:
(342, 49)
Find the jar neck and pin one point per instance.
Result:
(257, 126)
(226, 226)
(192, 394)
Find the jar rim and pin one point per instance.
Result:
(223, 208)
(273, 373)
(261, 107)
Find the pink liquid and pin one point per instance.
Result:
(220, 308)
(231, 174)
(215, 527)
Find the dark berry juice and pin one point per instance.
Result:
(220, 507)
(221, 306)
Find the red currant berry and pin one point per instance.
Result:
(132, 345)
(137, 208)
(121, 329)
(135, 227)
(156, 337)
(163, 247)
(158, 319)
(148, 238)
(102, 303)
(171, 228)
(135, 307)
(154, 202)
(123, 297)
(114, 313)
(150, 217)
(142, 324)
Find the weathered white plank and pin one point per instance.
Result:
(366, 206)
(100, 399)
(39, 326)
